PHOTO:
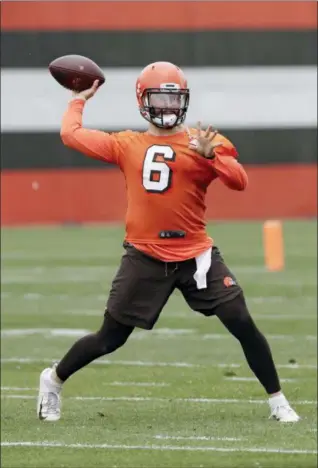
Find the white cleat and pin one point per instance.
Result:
(49, 400)
(284, 413)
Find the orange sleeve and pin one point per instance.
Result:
(94, 143)
(227, 168)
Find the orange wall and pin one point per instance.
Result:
(60, 196)
(175, 15)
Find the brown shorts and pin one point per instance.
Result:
(143, 285)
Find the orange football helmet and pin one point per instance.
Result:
(162, 94)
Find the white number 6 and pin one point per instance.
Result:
(156, 175)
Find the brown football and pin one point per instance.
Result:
(76, 72)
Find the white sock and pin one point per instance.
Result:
(277, 400)
(55, 381)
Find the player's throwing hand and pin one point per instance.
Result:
(203, 143)
(87, 93)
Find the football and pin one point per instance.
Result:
(76, 72)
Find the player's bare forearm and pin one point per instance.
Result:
(93, 143)
(230, 172)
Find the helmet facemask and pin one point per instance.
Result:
(164, 107)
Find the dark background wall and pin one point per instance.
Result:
(252, 71)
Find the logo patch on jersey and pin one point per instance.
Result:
(228, 281)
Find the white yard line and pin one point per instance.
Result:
(287, 282)
(50, 280)
(168, 437)
(193, 316)
(98, 312)
(44, 297)
(137, 384)
(53, 270)
(164, 333)
(95, 273)
(107, 384)
(62, 332)
(221, 336)
(84, 313)
(102, 362)
(30, 360)
(59, 332)
(159, 448)
(253, 299)
(253, 379)
(165, 400)
(56, 274)
(279, 366)
(298, 317)
(17, 389)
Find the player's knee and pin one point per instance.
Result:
(112, 335)
(235, 308)
(108, 343)
(235, 316)
(111, 344)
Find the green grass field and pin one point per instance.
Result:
(178, 396)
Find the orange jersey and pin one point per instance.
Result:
(166, 182)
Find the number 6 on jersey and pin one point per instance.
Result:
(157, 175)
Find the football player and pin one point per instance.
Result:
(167, 169)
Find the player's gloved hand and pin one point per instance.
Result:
(203, 142)
(87, 93)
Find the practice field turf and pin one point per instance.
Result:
(178, 396)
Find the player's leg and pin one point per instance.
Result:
(237, 319)
(109, 337)
(139, 291)
(224, 297)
